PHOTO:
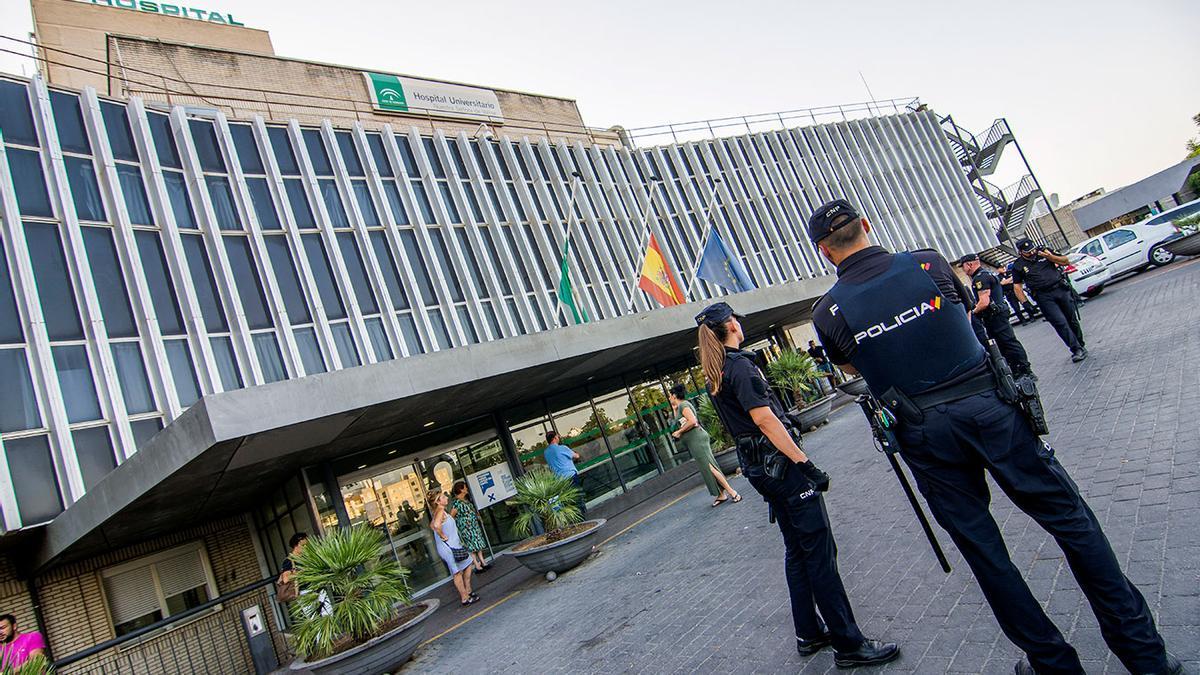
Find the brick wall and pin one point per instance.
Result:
(14, 599)
(77, 618)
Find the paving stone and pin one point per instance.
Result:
(700, 590)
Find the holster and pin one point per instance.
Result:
(904, 407)
(1006, 386)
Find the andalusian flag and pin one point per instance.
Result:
(657, 279)
(565, 294)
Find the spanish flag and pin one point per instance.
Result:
(657, 279)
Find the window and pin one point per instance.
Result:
(1093, 248)
(150, 589)
(1118, 238)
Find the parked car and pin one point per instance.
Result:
(1130, 248)
(1087, 273)
(1171, 215)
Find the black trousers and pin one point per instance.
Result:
(810, 559)
(949, 453)
(999, 329)
(1024, 312)
(1059, 309)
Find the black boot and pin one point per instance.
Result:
(813, 645)
(869, 653)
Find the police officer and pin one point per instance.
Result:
(991, 311)
(1025, 311)
(1038, 268)
(899, 321)
(777, 467)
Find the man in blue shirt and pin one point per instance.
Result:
(561, 461)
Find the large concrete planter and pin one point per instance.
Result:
(856, 387)
(815, 414)
(727, 461)
(561, 555)
(1189, 245)
(378, 655)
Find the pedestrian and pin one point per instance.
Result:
(699, 445)
(470, 530)
(449, 546)
(561, 461)
(1039, 269)
(1025, 311)
(791, 484)
(817, 353)
(993, 314)
(286, 589)
(16, 647)
(952, 427)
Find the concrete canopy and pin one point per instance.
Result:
(227, 450)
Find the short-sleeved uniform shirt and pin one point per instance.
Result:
(744, 388)
(984, 280)
(560, 460)
(831, 326)
(1038, 274)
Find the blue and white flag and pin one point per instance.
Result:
(719, 265)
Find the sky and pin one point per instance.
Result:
(1098, 94)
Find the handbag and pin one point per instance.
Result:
(286, 591)
(460, 554)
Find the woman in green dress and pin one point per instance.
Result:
(470, 530)
(699, 444)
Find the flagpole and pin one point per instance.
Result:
(709, 208)
(645, 227)
(576, 179)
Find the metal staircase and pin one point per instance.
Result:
(1009, 209)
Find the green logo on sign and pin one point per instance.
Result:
(388, 92)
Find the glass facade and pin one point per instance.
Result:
(308, 249)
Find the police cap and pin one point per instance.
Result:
(1025, 245)
(970, 257)
(821, 222)
(716, 314)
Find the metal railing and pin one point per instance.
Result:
(718, 127)
(1020, 189)
(207, 638)
(997, 131)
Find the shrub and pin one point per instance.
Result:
(711, 421)
(548, 497)
(795, 371)
(348, 591)
(34, 665)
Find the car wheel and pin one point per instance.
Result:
(1160, 256)
(1094, 291)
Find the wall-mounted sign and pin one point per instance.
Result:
(168, 9)
(492, 485)
(391, 93)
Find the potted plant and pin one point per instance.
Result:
(554, 501)
(354, 613)
(797, 372)
(38, 664)
(855, 386)
(722, 442)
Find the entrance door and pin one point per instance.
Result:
(392, 500)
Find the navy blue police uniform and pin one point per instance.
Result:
(1044, 280)
(810, 558)
(899, 320)
(1024, 310)
(994, 318)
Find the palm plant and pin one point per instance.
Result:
(550, 498)
(711, 421)
(347, 590)
(34, 665)
(795, 371)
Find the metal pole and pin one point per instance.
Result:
(645, 227)
(1035, 181)
(575, 181)
(708, 211)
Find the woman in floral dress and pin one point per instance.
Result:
(466, 517)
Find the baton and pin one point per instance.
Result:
(889, 447)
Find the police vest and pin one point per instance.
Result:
(907, 334)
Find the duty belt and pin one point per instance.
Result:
(976, 385)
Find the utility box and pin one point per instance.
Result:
(258, 640)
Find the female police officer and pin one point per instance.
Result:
(781, 472)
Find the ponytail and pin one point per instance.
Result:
(712, 355)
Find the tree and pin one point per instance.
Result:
(1193, 144)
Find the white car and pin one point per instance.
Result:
(1130, 248)
(1087, 274)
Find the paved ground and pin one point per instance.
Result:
(693, 589)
